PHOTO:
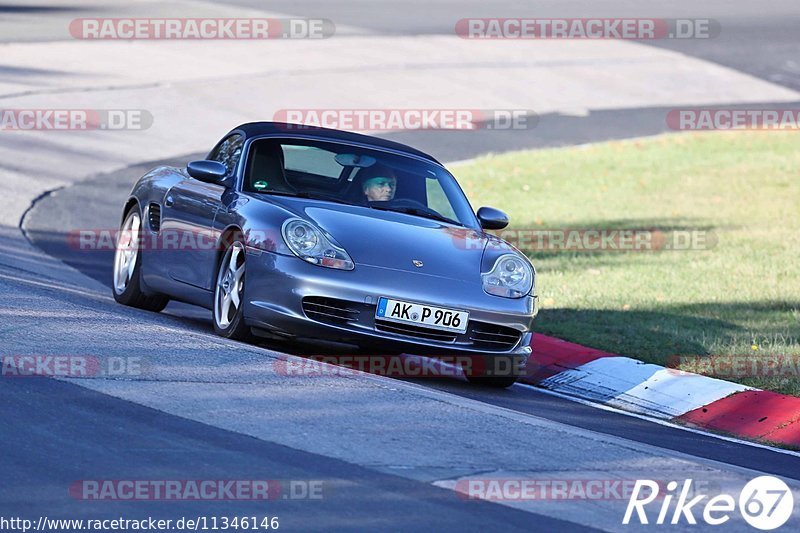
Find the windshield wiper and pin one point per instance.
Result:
(419, 212)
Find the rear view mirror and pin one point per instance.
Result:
(208, 171)
(355, 160)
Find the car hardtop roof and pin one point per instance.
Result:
(255, 129)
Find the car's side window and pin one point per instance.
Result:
(228, 152)
(437, 199)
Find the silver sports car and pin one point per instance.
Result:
(293, 233)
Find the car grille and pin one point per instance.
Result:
(415, 331)
(330, 310)
(493, 337)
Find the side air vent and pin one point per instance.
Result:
(154, 216)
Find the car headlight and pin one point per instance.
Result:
(510, 277)
(310, 244)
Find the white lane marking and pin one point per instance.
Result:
(641, 387)
(659, 421)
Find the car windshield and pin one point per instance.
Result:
(348, 174)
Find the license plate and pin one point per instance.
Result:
(422, 315)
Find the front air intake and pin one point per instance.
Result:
(330, 310)
(493, 337)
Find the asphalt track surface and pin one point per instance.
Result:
(757, 38)
(90, 435)
(760, 39)
(92, 438)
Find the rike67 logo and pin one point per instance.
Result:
(765, 503)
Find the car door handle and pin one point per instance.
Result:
(169, 200)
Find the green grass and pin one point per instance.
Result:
(740, 297)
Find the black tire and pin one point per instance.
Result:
(129, 291)
(230, 325)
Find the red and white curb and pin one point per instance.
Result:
(681, 397)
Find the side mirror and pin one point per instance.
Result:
(208, 171)
(491, 218)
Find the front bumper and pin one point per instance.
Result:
(289, 297)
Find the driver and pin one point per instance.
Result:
(381, 185)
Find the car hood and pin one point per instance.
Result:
(395, 240)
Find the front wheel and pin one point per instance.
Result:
(229, 295)
(127, 282)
